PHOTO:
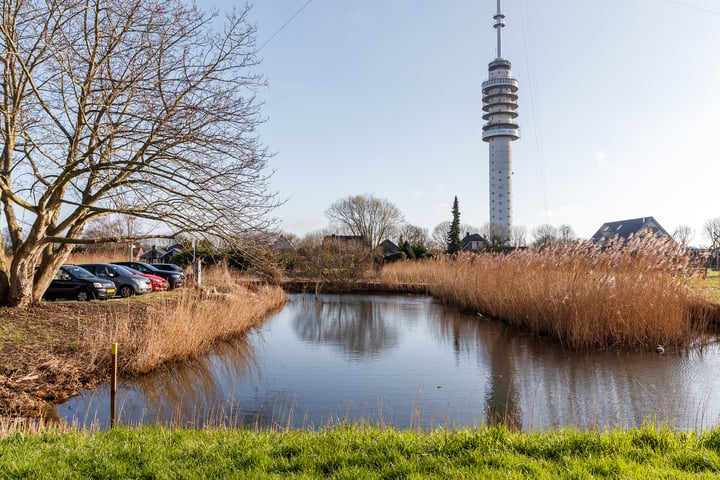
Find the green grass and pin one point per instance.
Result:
(361, 452)
(710, 285)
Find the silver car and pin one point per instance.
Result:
(126, 282)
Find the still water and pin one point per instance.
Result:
(407, 361)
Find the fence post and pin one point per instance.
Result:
(113, 383)
(198, 271)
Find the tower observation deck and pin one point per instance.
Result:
(499, 112)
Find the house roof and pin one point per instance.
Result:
(625, 228)
(388, 247)
(153, 253)
(471, 237)
(283, 243)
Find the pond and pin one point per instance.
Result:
(409, 362)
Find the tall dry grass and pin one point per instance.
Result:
(97, 257)
(180, 325)
(638, 295)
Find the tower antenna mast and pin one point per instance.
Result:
(499, 24)
(500, 130)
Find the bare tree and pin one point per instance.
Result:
(544, 236)
(519, 236)
(566, 234)
(683, 235)
(413, 234)
(497, 236)
(112, 226)
(339, 262)
(139, 107)
(711, 231)
(372, 218)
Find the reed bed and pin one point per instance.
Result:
(638, 294)
(183, 324)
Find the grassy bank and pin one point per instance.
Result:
(361, 452)
(638, 295)
(54, 349)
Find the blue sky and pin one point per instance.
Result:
(619, 105)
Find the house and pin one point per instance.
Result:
(625, 229)
(153, 255)
(473, 242)
(282, 244)
(170, 251)
(342, 240)
(160, 255)
(388, 248)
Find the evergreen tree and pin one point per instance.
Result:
(453, 237)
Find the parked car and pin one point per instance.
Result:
(175, 279)
(126, 283)
(170, 267)
(71, 281)
(158, 284)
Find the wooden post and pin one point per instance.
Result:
(113, 383)
(198, 272)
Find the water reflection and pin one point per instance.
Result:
(355, 325)
(410, 362)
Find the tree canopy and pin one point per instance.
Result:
(144, 108)
(373, 219)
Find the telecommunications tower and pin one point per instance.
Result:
(500, 111)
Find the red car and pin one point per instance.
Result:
(159, 284)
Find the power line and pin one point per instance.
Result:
(350, 52)
(284, 25)
(531, 91)
(694, 7)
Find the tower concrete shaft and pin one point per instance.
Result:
(500, 111)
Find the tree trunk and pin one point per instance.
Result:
(22, 271)
(4, 287)
(49, 264)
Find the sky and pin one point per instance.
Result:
(619, 106)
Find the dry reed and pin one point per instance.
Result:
(180, 325)
(637, 294)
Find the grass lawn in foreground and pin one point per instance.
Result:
(361, 452)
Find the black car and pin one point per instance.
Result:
(71, 281)
(174, 279)
(170, 267)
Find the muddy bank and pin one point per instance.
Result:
(41, 358)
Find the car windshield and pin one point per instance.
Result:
(124, 270)
(77, 272)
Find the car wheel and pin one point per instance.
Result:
(126, 291)
(83, 296)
